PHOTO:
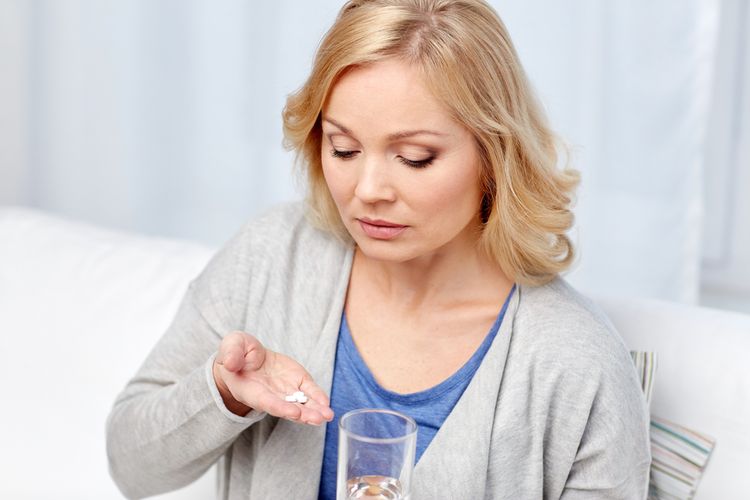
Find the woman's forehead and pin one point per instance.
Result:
(389, 91)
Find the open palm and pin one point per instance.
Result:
(259, 379)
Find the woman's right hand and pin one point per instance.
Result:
(251, 377)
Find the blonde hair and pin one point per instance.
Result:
(469, 63)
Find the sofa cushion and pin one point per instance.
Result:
(703, 379)
(679, 455)
(80, 308)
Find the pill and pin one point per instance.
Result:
(297, 397)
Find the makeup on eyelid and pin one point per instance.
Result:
(348, 152)
(399, 142)
(346, 155)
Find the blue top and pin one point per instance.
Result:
(355, 387)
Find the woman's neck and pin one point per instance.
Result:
(441, 279)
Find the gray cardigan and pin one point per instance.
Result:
(554, 411)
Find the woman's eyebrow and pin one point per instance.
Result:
(392, 137)
(337, 125)
(410, 133)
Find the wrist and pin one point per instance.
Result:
(231, 403)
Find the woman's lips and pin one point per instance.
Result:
(380, 229)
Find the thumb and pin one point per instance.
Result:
(241, 351)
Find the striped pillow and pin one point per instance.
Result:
(678, 458)
(645, 365)
(678, 455)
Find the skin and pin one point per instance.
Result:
(420, 301)
(419, 304)
(250, 376)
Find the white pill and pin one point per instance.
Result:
(297, 397)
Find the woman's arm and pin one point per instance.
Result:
(180, 413)
(613, 458)
(170, 424)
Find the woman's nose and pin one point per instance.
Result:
(374, 182)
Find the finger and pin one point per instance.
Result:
(274, 405)
(317, 396)
(231, 351)
(314, 413)
(254, 353)
(241, 351)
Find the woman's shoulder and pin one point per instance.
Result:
(567, 350)
(557, 324)
(578, 386)
(559, 300)
(280, 237)
(276, 249)
(284, 227)
(559, 308)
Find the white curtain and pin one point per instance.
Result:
(164, 117)
(726, 243)
(628, 84)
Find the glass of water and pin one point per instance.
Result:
(376, 455)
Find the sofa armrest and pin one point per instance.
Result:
(703, 378)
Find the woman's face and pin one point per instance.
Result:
(403, 174)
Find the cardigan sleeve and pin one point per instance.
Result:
(613, 457)
(169, 424)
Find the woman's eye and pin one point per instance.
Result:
(339, 153)
(416, 163)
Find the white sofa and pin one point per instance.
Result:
(80, 307)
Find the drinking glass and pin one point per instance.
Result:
(376, 455)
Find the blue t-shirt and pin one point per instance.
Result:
(355, 387)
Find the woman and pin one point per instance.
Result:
(422, 275)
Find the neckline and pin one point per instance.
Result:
(465, 372)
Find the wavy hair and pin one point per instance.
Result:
(469, 63)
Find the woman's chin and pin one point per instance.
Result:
(385, 251)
